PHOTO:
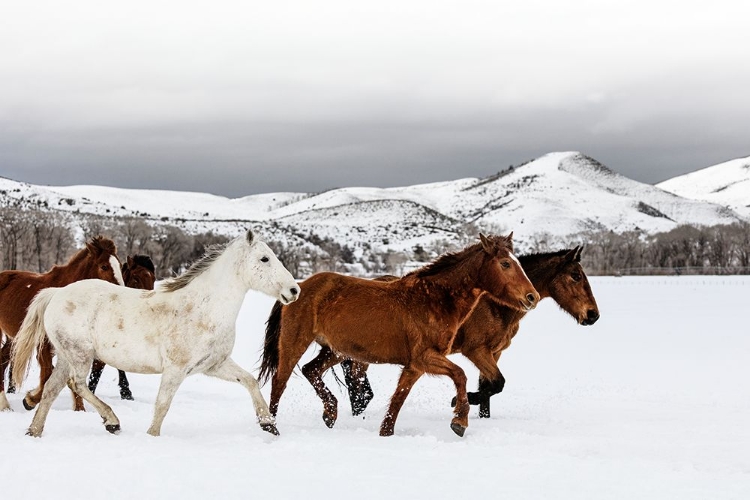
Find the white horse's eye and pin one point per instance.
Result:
(264, 259)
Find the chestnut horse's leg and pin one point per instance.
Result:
(288, 358)
(358, 385)
(44, 357)
(313, 371)
(124, 386)
(406, 381)
(96, 373)
(437, 364)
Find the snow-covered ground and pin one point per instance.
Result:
(651, 402)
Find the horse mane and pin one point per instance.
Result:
(144, 261)
(449, 260)
(533, 257)
(103, 244)
(196, 269)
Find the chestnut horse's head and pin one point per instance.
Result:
(101, 261)
(139, 272)
(571, 290)
(503, 277)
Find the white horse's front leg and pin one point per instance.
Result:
(232, 372)
(171, 379)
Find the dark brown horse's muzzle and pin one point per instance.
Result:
(592, 315)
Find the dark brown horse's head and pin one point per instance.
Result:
(101, 261)
(503, 277)
(139, 272)
(571, 290)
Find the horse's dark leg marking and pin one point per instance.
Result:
(96, 372)
(124, 386)
(313, 371)
(358, 385)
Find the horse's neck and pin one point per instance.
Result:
(72, 271)
(219, 288)
(459, 281)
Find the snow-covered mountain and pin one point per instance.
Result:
(561, 194)
(725, 184)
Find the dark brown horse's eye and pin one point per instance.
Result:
(264, 259)
(576, 277)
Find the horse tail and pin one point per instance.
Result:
(270, 360)
(31, 335)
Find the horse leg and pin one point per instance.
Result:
(4, 361)
(491, 381)
(111, 422)
(232, 372)
(490, 388)
(44, 357)
(124, 386)
(358, 385)
(288, 358)
(52, 389)
(406, 381)
(313, 371)
(97, 367)
(171, 379)
(434, 363)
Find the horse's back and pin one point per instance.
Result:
(17, 289)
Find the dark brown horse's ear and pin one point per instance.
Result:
(250, 236)
(578, 255)
(570, 256)
(130, 262)
(487, 245)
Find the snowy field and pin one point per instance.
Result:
(651, 402)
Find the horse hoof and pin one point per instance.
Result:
(33, 433)
(11, 390)
(453, 402)
(329, 421)
(27, 405)
(270, 428)
(458, 429)
(127, 397)
(112, 428)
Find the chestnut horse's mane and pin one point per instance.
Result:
(451, 259)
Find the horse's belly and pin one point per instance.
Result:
(129, 357)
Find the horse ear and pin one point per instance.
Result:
(93, 248)
(130, 262)
(250, 236)
(487, 245)
(509, 238)
(578, 255)
(570, 256)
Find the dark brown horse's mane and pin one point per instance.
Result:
(449, 260)
(533, 257)
(143, 261)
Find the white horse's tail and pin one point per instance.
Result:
(31, 334)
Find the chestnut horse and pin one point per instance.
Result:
(137, 272)
(488, 331)
(17, 288)
(411, 322)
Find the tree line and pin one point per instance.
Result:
(36, 240)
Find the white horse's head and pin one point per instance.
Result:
(263, 271)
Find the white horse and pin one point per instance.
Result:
(185, 326)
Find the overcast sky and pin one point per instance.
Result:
(236, 98)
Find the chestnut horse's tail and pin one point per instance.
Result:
(31, 335)
(270, 361)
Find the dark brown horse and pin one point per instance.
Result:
(97, 260)
(488, 331)
(412, 322)
(137, 272)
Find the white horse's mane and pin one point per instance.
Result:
(196, 269)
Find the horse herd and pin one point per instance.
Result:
(468, 302)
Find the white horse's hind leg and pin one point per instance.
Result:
(52, 389)
(170, 382)
(111, 422)
(232, 372)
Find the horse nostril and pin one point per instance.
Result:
(530, 297)
(592, 315)
(294, 291)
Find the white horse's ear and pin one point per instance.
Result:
(250, 236)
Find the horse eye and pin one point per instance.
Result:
(576, 277)
(264, 259)
(505, 264)
(105, 267)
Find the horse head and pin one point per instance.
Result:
(503, 277)
(263, 271)
(138, 271)
(571, 290)
(102, 262)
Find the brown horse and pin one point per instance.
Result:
(137, 272)
(411, 321)
(17, 288)
(488, 331)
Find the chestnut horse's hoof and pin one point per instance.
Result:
(458, 429)
(270, 428)
(112, 428)
(27, 405)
